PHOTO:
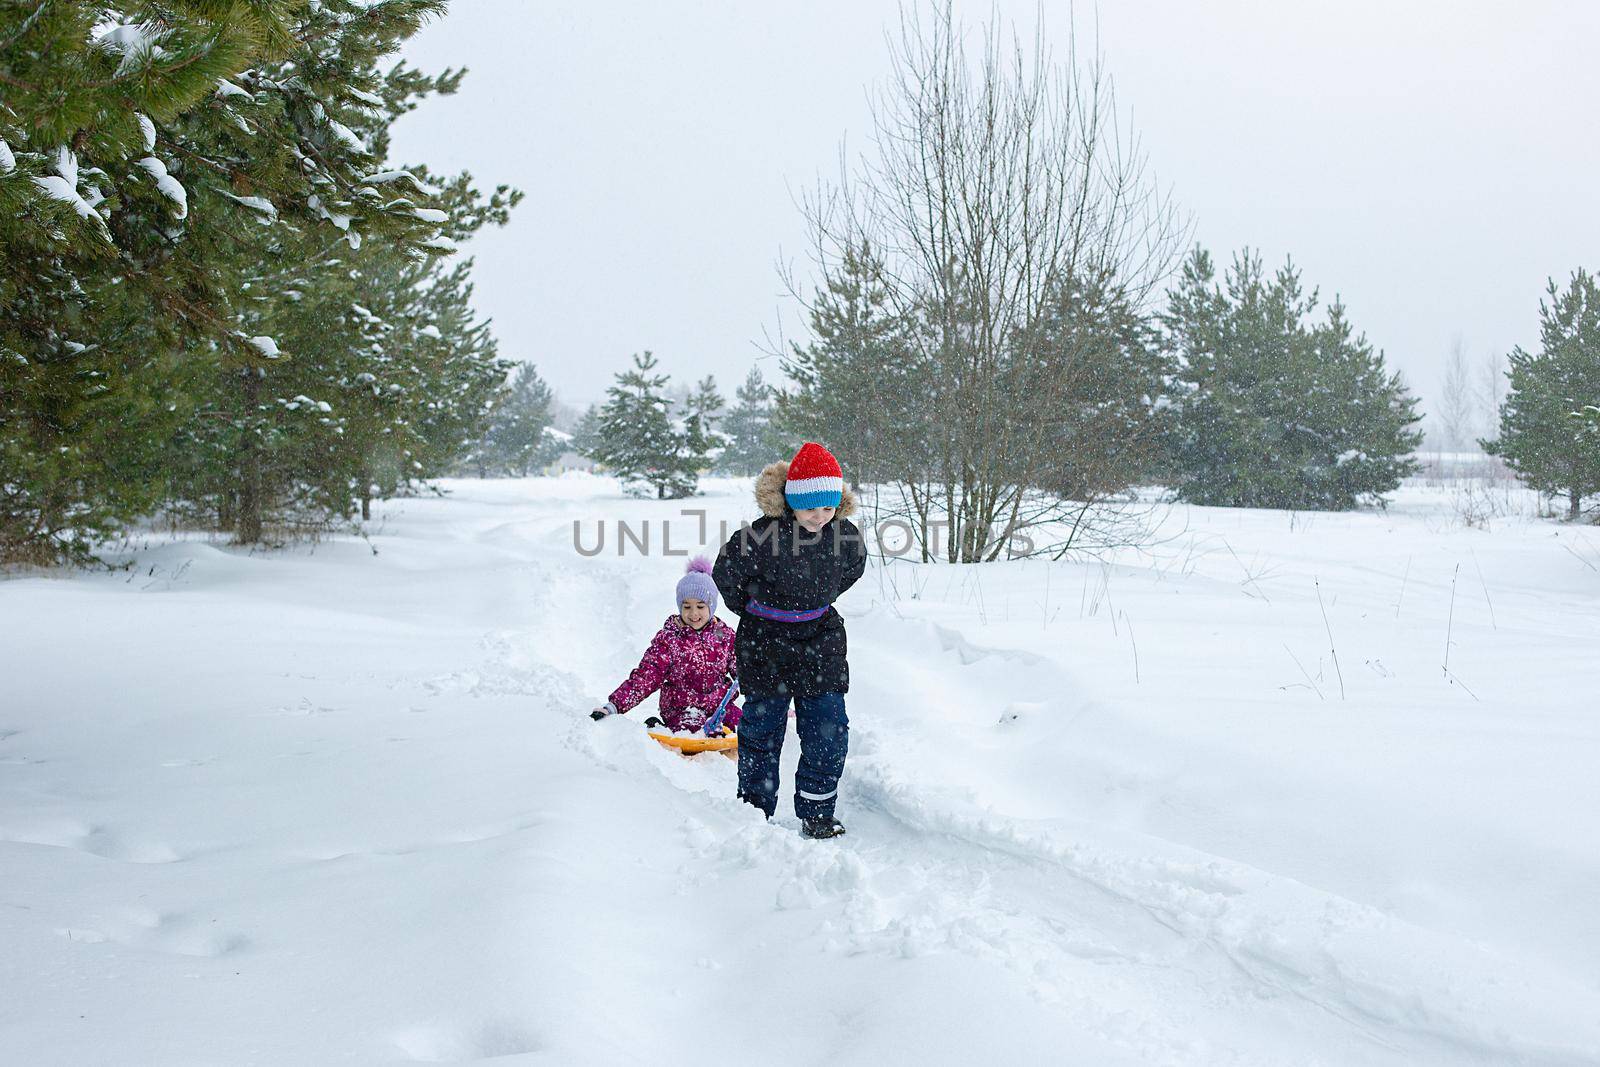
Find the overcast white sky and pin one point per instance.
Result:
(1431, 162)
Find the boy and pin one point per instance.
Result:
(781, 574)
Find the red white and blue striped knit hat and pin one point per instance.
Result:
(815, 480)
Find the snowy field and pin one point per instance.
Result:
(321, 806)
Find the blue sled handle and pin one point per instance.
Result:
(714, 723)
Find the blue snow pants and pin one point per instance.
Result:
(824, 739)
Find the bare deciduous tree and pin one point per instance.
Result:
(1491, 392)
(1457, 409)
(1000, 184)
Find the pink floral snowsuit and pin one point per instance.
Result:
(692, 668)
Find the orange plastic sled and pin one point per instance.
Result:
(728, 743)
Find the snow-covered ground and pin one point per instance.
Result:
(325, 806)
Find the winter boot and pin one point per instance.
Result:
(818, 829)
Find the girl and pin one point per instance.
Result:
(781, 574)
(690, 660)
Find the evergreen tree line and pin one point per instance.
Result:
(659, 445)
(1236, 393)
(655, 439)
(220, 299)
(518, 438)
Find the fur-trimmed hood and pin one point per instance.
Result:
(770, 498)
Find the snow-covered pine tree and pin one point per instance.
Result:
(1542, 433)
(1587, 433)
(1098, 358)
(703, 443)
(391, 379)
(178, 155)
(752, 443)
(462, 373)
(341, 205)
(635, 437)
(1589, 423)
(1275, 410)
(858, 385)
(342, 296)
(89, 207)
(586, 434)
(517, 442)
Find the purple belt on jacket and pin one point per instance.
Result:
(766, 611)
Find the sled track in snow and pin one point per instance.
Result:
(1236, 927)
(1245, 935)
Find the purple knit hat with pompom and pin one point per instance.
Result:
(696, 584)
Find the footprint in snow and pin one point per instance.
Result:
(305, 707)
(464, 1042)
(173, 933)
(94, 840)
